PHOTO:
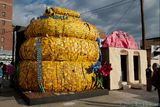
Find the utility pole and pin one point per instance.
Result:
(142, 23)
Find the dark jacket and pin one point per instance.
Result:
(156, 78)
(148, 73)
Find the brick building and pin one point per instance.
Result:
(6, 28)
(148, 43)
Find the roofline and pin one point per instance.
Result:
(152, 38)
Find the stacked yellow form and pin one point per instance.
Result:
(58, 76)
(69, 50)
(62, 28)
(61, 49)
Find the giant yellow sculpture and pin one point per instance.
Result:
(69, 50)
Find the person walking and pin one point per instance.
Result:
(156, 79)
(148, 77)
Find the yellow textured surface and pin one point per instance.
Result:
(61, 28)
(69, 50)
(70, 18)
(61, 49)
(65, 11)
(58, 76)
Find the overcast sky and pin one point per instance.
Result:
(124, 15)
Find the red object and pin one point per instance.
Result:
(120, 39)
(10, 69)
(105, 69)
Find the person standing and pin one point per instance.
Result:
(10, 73)
(156, 79)
(4, 70)
(148, 77)
(1, 74)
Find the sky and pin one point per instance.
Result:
(107, 15)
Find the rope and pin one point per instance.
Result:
(39, 64)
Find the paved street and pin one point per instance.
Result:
(118, 98)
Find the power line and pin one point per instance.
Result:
(89, 15)
(125, 13)
(108, 6)
(99, 12)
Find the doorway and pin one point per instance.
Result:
(136, 67)
(124, 67)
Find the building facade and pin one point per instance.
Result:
(149, 42)
(6, 31)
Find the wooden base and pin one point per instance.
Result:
(34, 98)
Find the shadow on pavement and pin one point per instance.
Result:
(101, 104)
(8, 93)
(6, 90)
(107, 104)
(11, 94)
(142, 94)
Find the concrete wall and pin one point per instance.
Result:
(115, 75)
(115, 60)
(143, 66)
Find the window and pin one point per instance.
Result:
(4, 6)
(2, 47)
(2, 39)
(3, 31)
(3, 14)
(3, 22)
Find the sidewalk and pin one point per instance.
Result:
(118, 98)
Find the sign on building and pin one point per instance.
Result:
(155, 52)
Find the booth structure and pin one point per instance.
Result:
(128, 65)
